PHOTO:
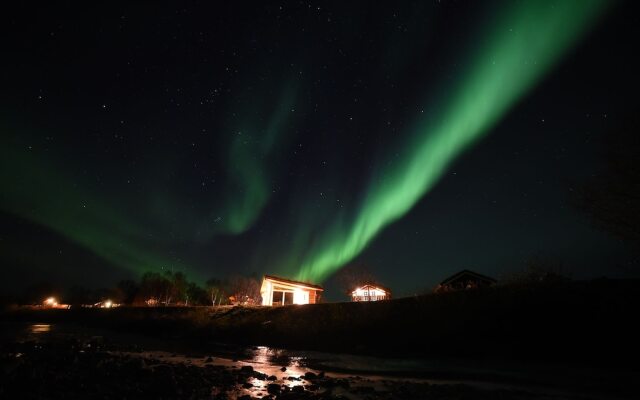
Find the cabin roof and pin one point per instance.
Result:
(292, 282)
(373, 285)
(464, 272)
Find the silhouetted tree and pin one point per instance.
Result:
(154, 288)
(215, 291)
(177, 286)
(195, 295)
(77, 295)
(244, 290)
(127, 291)
(537, 270)
(102, 294)
(612, 198)
(169, 288)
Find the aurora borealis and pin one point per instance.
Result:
(297, 138)
(518, 49)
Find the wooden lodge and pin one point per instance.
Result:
(370, 292)
(277, 291)
(464, 280)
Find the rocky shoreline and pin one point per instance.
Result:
(92, 368)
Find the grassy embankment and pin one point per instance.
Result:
(585, 322)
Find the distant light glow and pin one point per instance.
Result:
(152, 302)
(51, 302)
(40, 328)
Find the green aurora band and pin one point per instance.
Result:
(44, 195)
(522, 45)
(250, 161)
(40, 191)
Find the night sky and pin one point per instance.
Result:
(294, 138)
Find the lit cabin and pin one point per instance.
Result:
(51, 302)
(277, 291)
(464, 280)
(370, 292)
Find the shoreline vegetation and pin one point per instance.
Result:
(581, 322)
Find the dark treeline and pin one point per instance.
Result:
(175, 289)
(153, 289)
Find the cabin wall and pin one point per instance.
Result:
(267, 294)
(369, 293)
(292, 294)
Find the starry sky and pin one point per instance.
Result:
(296, 138)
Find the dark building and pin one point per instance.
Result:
(464, 280)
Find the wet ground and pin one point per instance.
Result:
(67, 362)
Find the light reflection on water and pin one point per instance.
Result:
(40, 328)
(263, 360)
(271, 356)
(269, 360)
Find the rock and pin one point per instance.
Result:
(343, 382)
(246, 368)
(134, 364)
(297, 389)
(310, 375)
(329, 382)
(283, 369)
(304, 396)
(209, 360)
(259, 375)
(273, 388)
(97, 339)
(364, 389)
(272, 378)
(163, 369)
(247, 385)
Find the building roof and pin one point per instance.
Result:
(292, 282)
(374, 285)
(464, 272)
